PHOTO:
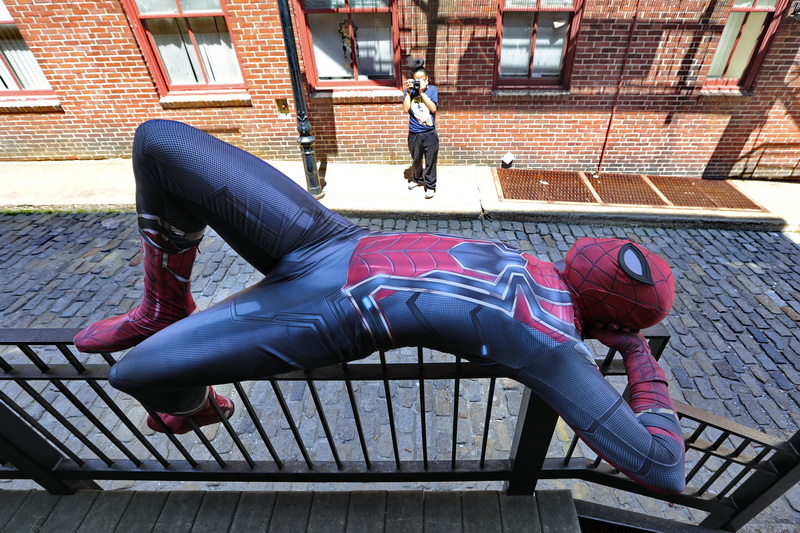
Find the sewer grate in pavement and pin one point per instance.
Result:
(620, 189)
(544, 185)
(696, 192)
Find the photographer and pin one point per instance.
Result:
(420, 101)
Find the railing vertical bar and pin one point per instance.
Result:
(456, 394)
(390, 409)
(324, 420)
(607, 360)
(111, 404)
(71, 358)
(356, 417)
(98, 389)
(422, 415)
(207, 443)
(571, 450)
(108, 358)
(234, 436)
(489, 405)
(41, 365)
(259, 426)
(700, 463)
(96, 422)
(63, 421)
(41, 429)
(744, 471)
(171, 436)
(290, 420)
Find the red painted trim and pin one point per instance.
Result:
(763, 42)
(307, 49)
(153, 59)
(568, 54)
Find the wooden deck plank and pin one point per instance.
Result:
(366, 512)
(179, 511)
(404, 511)
(442, 511)
(480, 512)
(106, 512)
(33, 512)
(557, 512)
(290, 513)
(328, 512)
(254, 512)
(11, 500)
(143, 512)
(70, 512)
(217, 511)
(520, 514)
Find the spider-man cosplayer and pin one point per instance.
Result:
(335, 292)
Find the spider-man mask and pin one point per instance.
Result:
(617, 281)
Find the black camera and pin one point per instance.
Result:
(415, 85)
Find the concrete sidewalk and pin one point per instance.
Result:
(464, 192)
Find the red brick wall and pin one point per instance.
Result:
(661, 121)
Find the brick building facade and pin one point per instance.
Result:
(631, 87)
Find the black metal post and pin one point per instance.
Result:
(536, 424)
(306, 140)
(34, 456)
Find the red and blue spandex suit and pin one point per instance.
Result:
(335, 292)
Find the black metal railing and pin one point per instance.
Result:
(64, 427)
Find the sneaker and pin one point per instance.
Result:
(413, 185)
(429, 193)
(204, 417)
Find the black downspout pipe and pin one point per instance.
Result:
(306, 140)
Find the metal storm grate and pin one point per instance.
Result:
(695, 192)
(543, 185)
(627, 189)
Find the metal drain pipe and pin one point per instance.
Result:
(634, 21)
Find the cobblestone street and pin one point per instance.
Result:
(735, 325)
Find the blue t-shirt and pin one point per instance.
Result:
(420, 118)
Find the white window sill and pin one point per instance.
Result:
(722, 91)
(359, 96)
(30, 104)
(513, 94)
(202, 99)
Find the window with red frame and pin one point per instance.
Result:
(189, 42)
(19, 71)
(350, 42)
(536, 42)
(744, 40)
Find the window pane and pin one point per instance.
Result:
(515, 50)
(157, 6)
(726, 42)
(551, 35)
(766, 3)
(19, 59)
(176, 51)
(323, 4)
(520, 3)
(332, 47)
(216, 49)
(374, 45)
(200, 5)
(743, 3)
(747, 43)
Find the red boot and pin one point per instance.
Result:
(203, 417)
(167, 299)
